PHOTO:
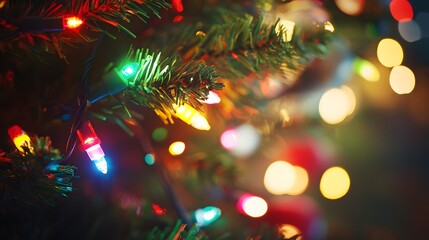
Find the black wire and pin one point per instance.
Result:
(147, 147)
(82, 100)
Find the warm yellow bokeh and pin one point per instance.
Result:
(402, 80)
(389, 52)
(335, 183)
(288, 28)
(300, 183)
(255, 206)
(279, 178)
(333, 106)
(351, 99)
(289, 231)
(350, 7)
(176, 148)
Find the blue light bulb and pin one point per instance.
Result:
(101, 164)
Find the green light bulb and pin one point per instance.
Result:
(129, 70)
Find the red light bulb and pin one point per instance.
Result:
(91, 144)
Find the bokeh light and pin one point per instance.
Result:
(366, 70)
(351, 7)
(272, 86)
(336, 104)
(402, 80)
(159, 134)
(288, 28)
(205, 216)
(401, 10)
(241, 141)
(149, 159)
(176, 148)
(422, 20)
(158, 210)
(228, 139)
(410, 31)
(301, 181)
(252, 206)
(288, 231)
(351, 99)
(279, 178)
(335, 183)
(389, 52)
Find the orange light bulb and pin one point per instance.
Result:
(72, 22)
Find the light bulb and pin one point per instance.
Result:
(192, 117)
(20, 138)
(72, 22)
(101, 164)
(91, 144)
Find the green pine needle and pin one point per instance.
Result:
(33, 178)
(242, 44)
(98, 16)
(177, 232)
(161, 83)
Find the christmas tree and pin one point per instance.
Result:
(130, 119)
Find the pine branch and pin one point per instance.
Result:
(162, 83)
(33, 179)
(245, 51)
(242, 45)
(97, 16)
(176, 232)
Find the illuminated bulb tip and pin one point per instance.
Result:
(129, 70)
(101, 165)
(212, 98)
(329, 27)
(200, 122)
(73, 22)
(191, 116)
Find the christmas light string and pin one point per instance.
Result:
(155, 72)
(47, 22)
(82, 100)
(33, 166)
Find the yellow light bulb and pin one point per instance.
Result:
(21, 141)
(20, 138)
(329, 27)
(192, 117)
